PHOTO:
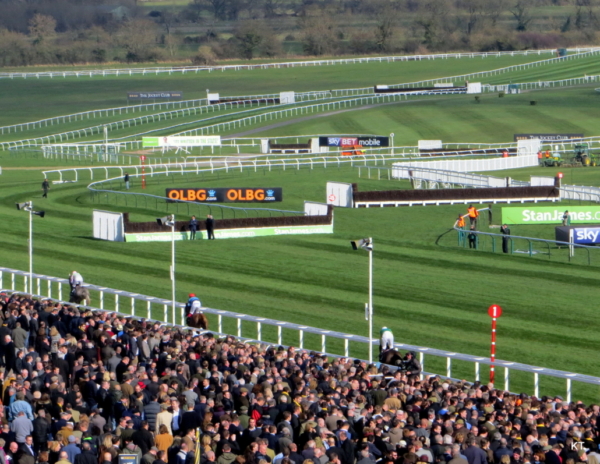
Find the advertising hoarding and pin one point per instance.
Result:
(548, 137)
(154, 95)
(226, 195)
(180, 141)
(233, 233)
(550, 214)
(367, 142)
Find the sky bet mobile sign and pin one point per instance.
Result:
(226, 195)
(367, 142)
(550, 214)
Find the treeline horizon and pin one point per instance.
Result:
(40, 32)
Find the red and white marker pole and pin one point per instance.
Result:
(143, 159)
(494, 312)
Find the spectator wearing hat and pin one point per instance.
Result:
(71, 449)
(164, 417)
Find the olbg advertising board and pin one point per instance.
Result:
(550, 214)
(226, 195)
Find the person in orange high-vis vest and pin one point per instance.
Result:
(460, 224)
(473, 215)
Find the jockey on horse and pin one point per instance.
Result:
(193, 312)
(386, 341)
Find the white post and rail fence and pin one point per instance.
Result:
(137, 305)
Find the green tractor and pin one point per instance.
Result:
(554, 160)
(581, 154)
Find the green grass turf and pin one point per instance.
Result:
(430, 295)
(70, 95)
(459, 118)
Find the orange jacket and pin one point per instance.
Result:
(473, 213)
(461, 222)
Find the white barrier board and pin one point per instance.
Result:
(430, 144)
(108, 226)
(339, 194)
(286, 98)
(313, 208)
(400, 170)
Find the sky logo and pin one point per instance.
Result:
(334, 141)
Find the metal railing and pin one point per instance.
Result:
(289, 64)
(550, 247)
(108, 112)
(135, 304)
(542, 84)
(496, 72)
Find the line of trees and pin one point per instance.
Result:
(79, 31)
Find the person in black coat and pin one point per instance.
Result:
(210, 227)
(505, 237)
(86, 456)
(143, 438)
(41, 429)
(9, 354)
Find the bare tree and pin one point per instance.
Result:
(219, 8)
(521, 12)
(433, 14)
(474, 12)
(42, 27)
(492, 9)
(137, 37)
(386, 20)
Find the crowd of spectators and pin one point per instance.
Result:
(87, 388)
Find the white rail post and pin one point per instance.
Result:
(49, 287)
(536, 384)
(569, 390)
(506, 379)
(301, 339)
(148, 310)
(422, 361)
(1, 279)
(448, 366)
(60, 291)
(279, 335)
(346, 347)
(165, 309)
(132, 306)
(323, 343)
(38, 286)
(117, 302)
(12, 281)
(220, 323)
(239, 327)
(259, 331)
(476, 372)
(26, 283)
(101, 299)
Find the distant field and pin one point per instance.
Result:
(70, 95)
(460, 118)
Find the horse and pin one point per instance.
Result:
(80, 294)
(198, 321)
(391, 357)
